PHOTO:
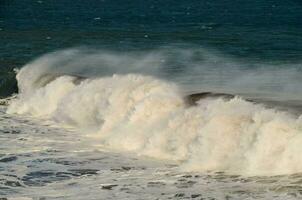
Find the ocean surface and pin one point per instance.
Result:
(96, 99)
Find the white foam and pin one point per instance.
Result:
(148, 116)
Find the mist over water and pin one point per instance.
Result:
(193, 69)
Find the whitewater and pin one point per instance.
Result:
(136, 128)
(149, 116)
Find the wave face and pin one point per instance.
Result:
(149, 116)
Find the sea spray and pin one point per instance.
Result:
(194, 69)
(149, 116)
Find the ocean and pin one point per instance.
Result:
(150, 99)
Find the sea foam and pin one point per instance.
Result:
(149, 116)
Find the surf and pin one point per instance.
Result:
(153, 117)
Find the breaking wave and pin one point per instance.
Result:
(149, 116)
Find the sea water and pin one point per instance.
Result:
(99, 106)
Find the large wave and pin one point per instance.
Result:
(149, 116)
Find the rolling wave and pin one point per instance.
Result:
(153, 117)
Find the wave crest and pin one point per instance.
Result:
(149, 116)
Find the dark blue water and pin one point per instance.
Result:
(250, 30)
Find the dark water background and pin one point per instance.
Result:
(251, 30)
